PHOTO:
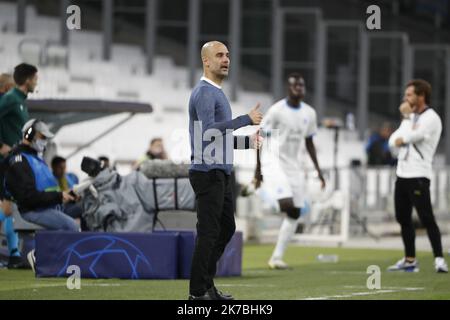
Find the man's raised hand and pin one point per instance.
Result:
(255, 115)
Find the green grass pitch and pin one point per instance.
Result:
(308, 278)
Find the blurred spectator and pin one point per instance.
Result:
(377, 148)
(66, 181)
(6, 83)
(104, 162)
(155, 151)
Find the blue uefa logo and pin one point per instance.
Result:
(96, 254)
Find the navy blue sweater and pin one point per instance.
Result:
(211, 127)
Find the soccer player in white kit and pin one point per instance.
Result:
(288, 123)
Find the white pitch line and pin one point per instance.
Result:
(346, 272)
(384, 287)
(257, 272)
(101, 284)
(365, 293)
(50, 285)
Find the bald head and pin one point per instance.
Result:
(6, 82)
(216, 60)
(209, 47)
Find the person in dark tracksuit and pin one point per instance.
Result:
(417, 138)
(13, 110)
(212, 144)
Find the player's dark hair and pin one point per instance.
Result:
(155, 140)
(23, 72)
(421, 88)
(57, 160)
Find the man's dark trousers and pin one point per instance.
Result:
(415, 192)
(215, 226)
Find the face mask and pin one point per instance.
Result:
(39, 145)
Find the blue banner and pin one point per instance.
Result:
(107, 255)
(158, 255)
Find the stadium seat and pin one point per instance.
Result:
(23, 226)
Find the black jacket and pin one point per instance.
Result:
(20, 183)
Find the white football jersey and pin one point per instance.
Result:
(421, 134)
(287, 128)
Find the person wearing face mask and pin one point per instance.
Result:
(31, 184)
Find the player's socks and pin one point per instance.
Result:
(12, 237)
(287, 230)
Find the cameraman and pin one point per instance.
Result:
(31, 183)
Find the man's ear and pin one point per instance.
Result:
(205, 61)
(421, 98)
(28, 81)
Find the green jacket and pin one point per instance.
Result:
(13, 116)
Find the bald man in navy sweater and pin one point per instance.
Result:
(212, 142)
